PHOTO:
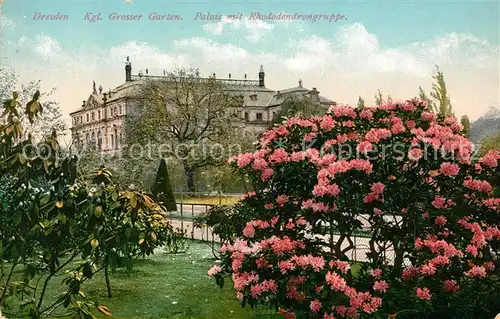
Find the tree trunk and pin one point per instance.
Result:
(108, 284)
(189, 172)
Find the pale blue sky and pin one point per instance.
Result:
(381, 44)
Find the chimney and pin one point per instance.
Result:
(146, 71)
(245, 76)
(83, 103)
(314, 94)
(128, 70)
(261, 76)
(229, 75)
(109, 94)
(100, 89)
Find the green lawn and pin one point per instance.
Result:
(208, 200)
(169, 286)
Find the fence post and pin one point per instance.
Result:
(182, 217)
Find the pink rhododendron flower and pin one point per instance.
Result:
(449, 169)
(336, 282)
(364, 147)
(377, 273)
(281, 200)
(424, 293)
(440, 220)
(450, 286)
(477, 272)
(315, 305)
(415, 154)
(266, 174)
(214, 270)
(490, 159)
(249, 231)
(381, 286)
(377, 188)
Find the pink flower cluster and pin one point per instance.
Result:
(285, 250)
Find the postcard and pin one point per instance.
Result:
(249, 159)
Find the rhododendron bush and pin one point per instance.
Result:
(400, 172)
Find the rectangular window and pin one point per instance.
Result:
(98, 115)
(87, 118)
(246, 116)
(259, 117)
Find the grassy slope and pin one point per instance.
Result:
(169, 286)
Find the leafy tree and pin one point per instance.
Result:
(298, 106)
(489, 143)
(51, 118)
(162, 189)
(54, 223)
(466, 125)
(439, 101)
(442, 104)
(379, 99)
(361, 103)
(193, 117)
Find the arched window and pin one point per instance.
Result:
(87, 139)
(120, 109)
(92, 140)
(116, 113)
(87, 117)
(99, 140)
(93, 116)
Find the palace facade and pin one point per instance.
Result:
(100, 120)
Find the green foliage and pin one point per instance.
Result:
(361, 103)
(440, 95)
(53, 222)
(439, 101)
(162, 190)
(185, 116)
(466, 125)
(491, 142)
(379, 99)
(408, 177)
(298, 106)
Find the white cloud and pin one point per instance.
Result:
(47, 47)
(255, 30)
(7, 23)
(349, 63)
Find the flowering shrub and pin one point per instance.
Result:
(54, 223)
(399, 171)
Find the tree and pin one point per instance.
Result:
(361, 103)
(439, 101)
(491, 142)
(379, 99)
(439, 93)
(466, 125)
(54, 223)
(162, 190)
(191, 118)
(298, 106)
(50, 119)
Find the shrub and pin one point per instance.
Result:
(398, 170)
(162, 189)
(53, 223)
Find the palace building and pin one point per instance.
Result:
(100, 120)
